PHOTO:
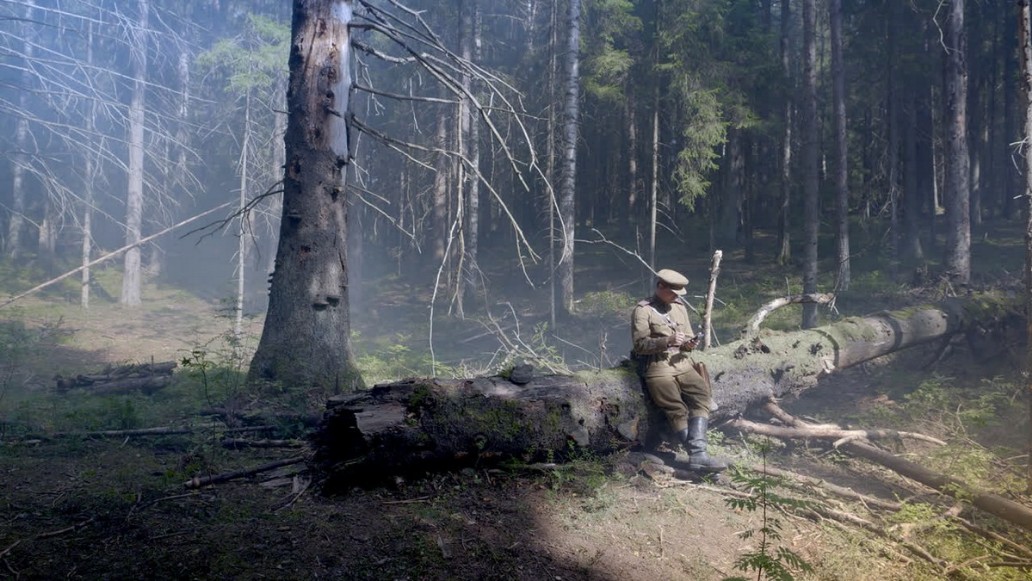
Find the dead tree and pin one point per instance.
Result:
(417, 425)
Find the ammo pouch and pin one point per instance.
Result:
(700, 368)
(641, 363)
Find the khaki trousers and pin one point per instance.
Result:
(680, 397)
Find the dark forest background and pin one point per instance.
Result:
(809, 134)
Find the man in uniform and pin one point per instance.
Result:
(662, 338)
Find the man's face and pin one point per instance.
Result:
(665, 293)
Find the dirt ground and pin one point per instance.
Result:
(116, 508)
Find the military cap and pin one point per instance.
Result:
(674, 280)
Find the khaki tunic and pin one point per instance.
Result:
(670, 377)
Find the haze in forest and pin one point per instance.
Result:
(493, 164)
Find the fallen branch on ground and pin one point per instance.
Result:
(146, 378)
(824, 433)
(4, 552)
(199, 481)
(822, 484)
(245, 443)
(1003, 508)
(993, 536)
(65, 530)
(817, 512)
(158, 431)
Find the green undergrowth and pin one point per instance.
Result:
(976, 417)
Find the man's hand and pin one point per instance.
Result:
(692, 342)
(676, 340)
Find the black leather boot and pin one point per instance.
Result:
(695, 442)
(682, 437)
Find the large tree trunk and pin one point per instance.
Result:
(413, 426)
(1025, 28)
(20, 158)
(892, 101)
(957, 186)
(841, 148)
(132, 271)
(306, 339)
(784, 212)
(568, 169)
(471, 52)
(810, 169)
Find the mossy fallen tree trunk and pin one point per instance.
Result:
(418, 425)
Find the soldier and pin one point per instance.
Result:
(662, 338)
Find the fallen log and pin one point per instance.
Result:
(146, 378)
(1003, 508)
(419, 425)
(199, 481)
(840, 435)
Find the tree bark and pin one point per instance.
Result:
(417, 425)
(90, 173)
(911, 240)
(1025, 29)
(841, 148)
(306, 339)
(892, 105)
(784, 212)
(20, 158)
(810, 168)
(132, 270)
(957, 186)
(568, 171)
(471, 52)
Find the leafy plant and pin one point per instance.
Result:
(769, 560)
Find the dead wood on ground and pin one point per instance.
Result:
(146, 378)
(1003, 508)
(414, 426)
(199, 481)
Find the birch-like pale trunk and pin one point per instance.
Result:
(784, 211)
(472, 269)
(550, 156)
(244, 231)
(89, 181)
(1025, 44)
(132, 272)
(20, 157)
(568, 169)
(841, 147)
(810, 168)
(957, 178)
(892, 103)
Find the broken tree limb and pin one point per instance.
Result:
(146, 378)
(1003, 508)
(419, 425)
(199, 481)
(840, 435)
(113, 254)
(753, 326)
(158, 431)
(822, 484)
(998, 506)
(707, 316)
(237, 443)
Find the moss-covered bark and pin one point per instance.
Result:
(418, 425)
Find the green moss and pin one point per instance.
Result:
(506, 420)
(421, 394)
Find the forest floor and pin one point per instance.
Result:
(89, 507)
